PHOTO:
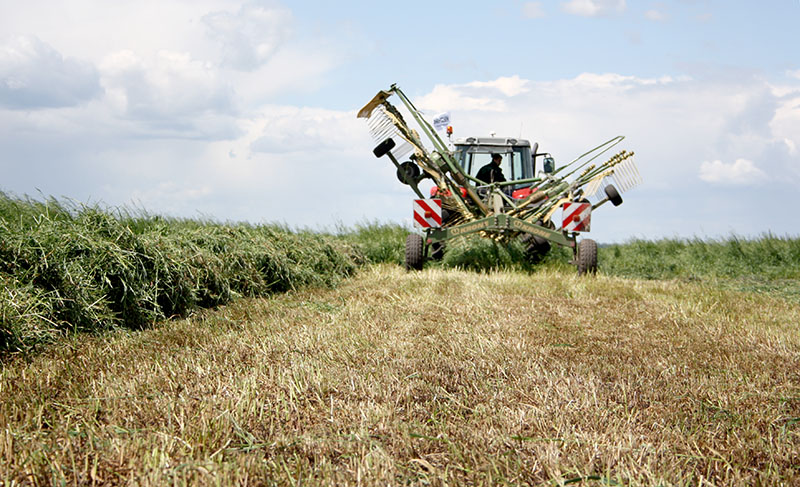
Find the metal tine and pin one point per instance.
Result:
(386, 128)
(378, 120)
(621, 178)
(632, 174)
(401, 155)
(382, 131)
(636, 172)
(381, 121)
(629, 177)
(383, 134)
(402, 149)
(594, 186)
(380, 125)
(621, 181)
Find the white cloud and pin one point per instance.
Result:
(33, 75)
(170, 86)
(170, 197)
(508, 86)
(443, 97)
(533, 10)
(593, 8)
(655, 15)
(252, 35)
(742, 172)
(311, 130)
(477, 95)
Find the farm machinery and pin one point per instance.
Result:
(524, 206)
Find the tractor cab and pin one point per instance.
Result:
(519, 158)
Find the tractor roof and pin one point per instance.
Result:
(493, 142)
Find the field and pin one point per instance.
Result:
(665, 369)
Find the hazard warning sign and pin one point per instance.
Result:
(428, 213)
(577, 217)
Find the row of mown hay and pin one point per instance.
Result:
(66, 269)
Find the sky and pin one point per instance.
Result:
(237, 110)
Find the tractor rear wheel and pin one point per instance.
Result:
(587, 257)
(415, 252)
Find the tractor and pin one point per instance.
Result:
(523, 207)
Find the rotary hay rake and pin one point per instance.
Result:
(523, 207)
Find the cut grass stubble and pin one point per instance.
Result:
(433, 377)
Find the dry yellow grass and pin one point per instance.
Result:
(438, 377)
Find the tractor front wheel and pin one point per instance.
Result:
(415, 252)
(587, 257)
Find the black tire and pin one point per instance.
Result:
(437, 251)
(408, 172)
(613, 195)
(383, 148)
(587, 257)
(415, 252)
(536, 247)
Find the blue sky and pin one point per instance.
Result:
(245, 110)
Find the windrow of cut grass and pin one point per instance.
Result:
(380, 243)
(68, 268)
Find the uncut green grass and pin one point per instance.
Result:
(767, 264)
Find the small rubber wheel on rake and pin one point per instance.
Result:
(587, 257)
(437, 251)
(408, 172)
(415, 252)
(613, 195)
(536, 247)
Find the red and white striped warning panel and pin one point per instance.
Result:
(577, 217)
(428, 213)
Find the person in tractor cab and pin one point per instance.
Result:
(492, 172)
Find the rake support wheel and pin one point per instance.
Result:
(437, 251)
(415, 252)
(383, 148)
(536, 247)
(613, 195)
(587, 257)
(408, 172)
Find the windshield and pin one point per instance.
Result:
(515, 165)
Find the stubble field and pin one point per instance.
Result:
(439, 377)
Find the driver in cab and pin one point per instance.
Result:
(492, 172)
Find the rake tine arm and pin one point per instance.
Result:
(602, 148)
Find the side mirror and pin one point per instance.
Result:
(549, 165)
